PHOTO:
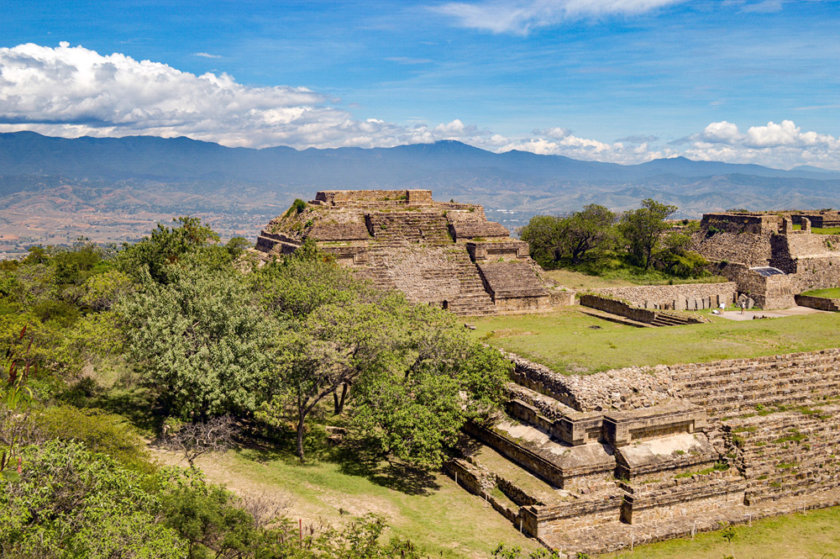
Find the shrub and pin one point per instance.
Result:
(99, 431)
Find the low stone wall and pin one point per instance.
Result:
(479, 482)
(687, 297)
(626, 310)
(515, 452)
(819, 303)
(686, 497)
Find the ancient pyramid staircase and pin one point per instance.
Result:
(465, 294)
(399, 227)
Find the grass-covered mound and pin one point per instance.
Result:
(830, 293)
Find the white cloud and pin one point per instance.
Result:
(522, 16)
(780, 145)
(73, 91)
(207, 55)
(720, 132)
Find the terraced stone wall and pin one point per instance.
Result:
(404, 240)
(687, 297)
(644, 454)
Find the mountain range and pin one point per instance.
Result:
(144, 175)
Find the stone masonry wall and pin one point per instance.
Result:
(819, 303)
(676, 297)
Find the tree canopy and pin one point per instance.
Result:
(643, 229)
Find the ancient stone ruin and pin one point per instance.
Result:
(602, 462)
(769, 261)
(441, 253)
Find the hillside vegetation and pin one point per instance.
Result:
(187, 342)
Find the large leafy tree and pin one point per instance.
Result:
(544, 235)
(571, 238)
(414, 409)
(643, 229)
(201, 341)
(189, 241)
(410, 373)
(586, 230)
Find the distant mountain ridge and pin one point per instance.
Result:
(99, 186)
(183, 159)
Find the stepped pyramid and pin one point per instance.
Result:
(440, 253)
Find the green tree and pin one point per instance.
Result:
(544, 235)
(571, 238)
(102, 291)
(586, 230)
(414, 409)
(168, 246)
(643, 229)
(201, 341)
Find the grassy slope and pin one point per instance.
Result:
(566, 340)
(444, 520)
(618, 278)
(814, 535)
(831, 293)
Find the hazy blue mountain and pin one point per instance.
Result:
(516, 182)
(146, 157)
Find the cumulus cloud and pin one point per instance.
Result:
(522, 16)
(73, 91)
(561, 141)
(782, 144)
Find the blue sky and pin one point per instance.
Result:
(614, 80)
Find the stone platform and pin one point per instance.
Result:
(606, 461)
(441, 253)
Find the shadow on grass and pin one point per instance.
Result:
(134, 403)
(358, 458)
(354, 458)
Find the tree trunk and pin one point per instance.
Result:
(339, 401)
(300, 429)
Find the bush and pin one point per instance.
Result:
(69, 502)
(99, 431)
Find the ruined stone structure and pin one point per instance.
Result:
(440, 253)
(601, 462)
(638, 316)
(768, 260)
(685, 297)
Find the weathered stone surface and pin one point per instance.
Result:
(404, 240)
(739, 243)
(674, 297)
(690, 445)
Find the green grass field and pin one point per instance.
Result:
(820, 230)
(441, 518)
(620, 277)
(831, 293)
(570, 341)
(813, 535)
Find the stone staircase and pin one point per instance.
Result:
(440, 276)
(401, 227)
(473, 299)
(663, 319)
